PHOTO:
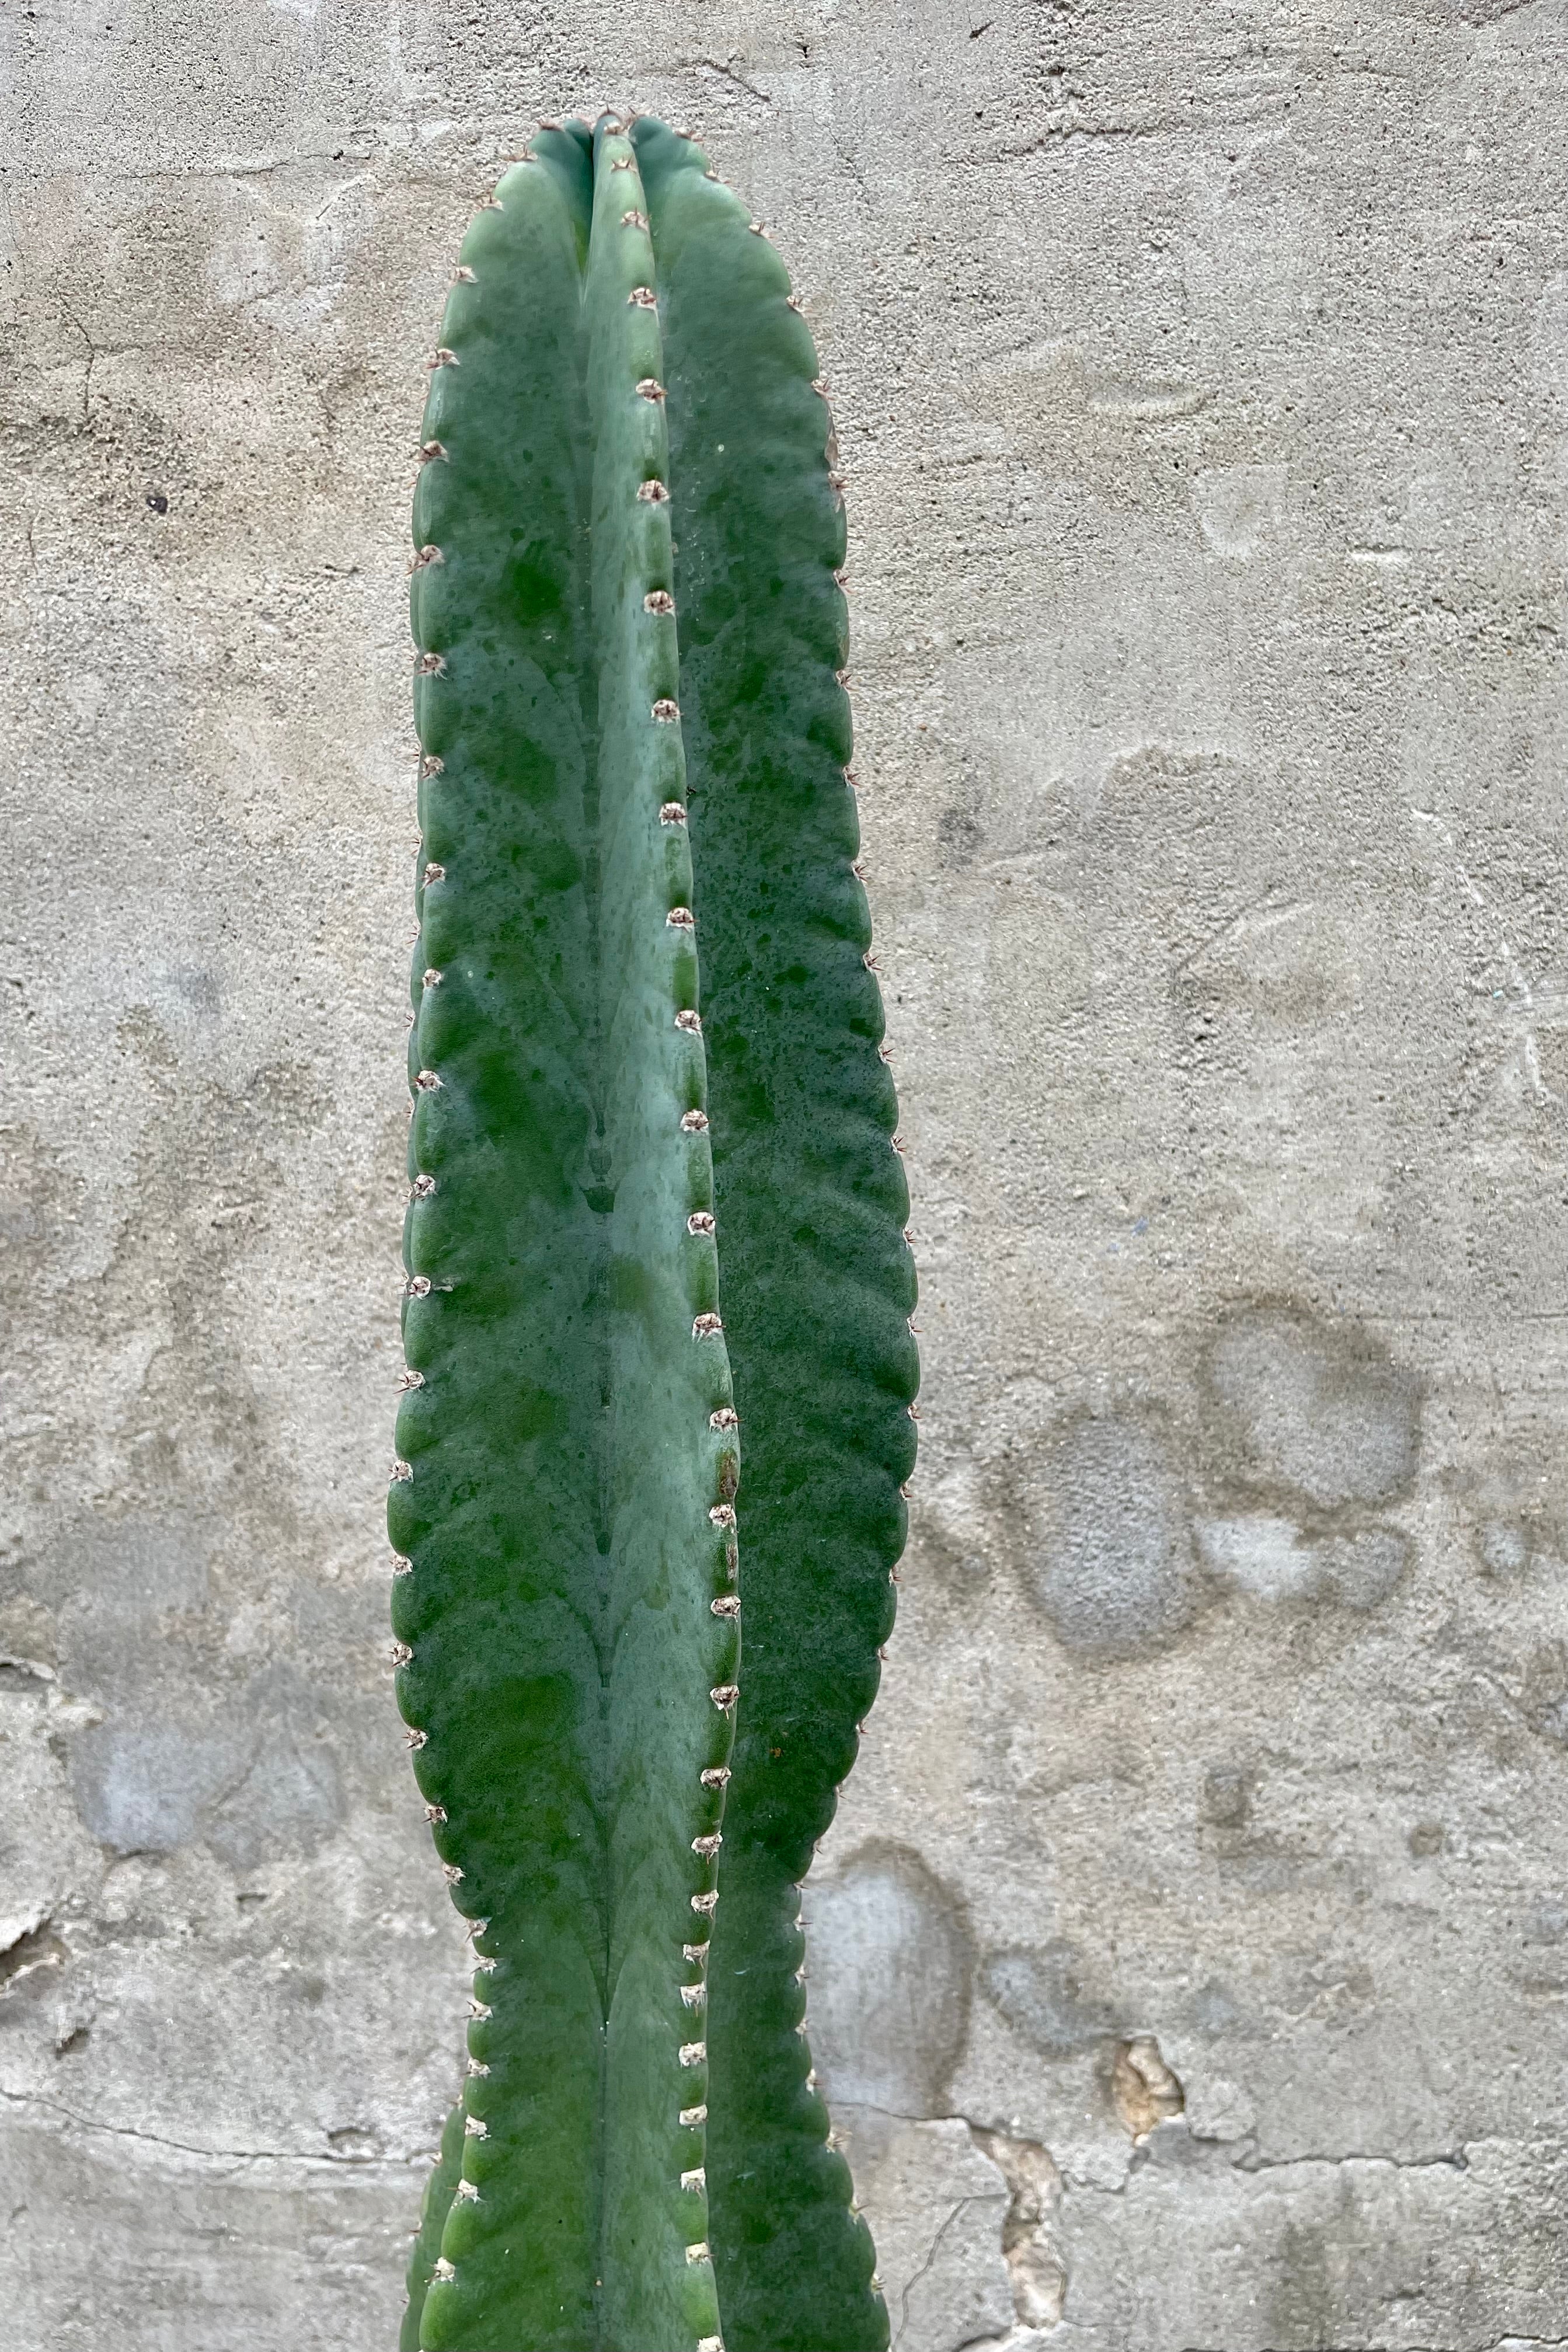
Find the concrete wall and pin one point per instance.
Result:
(1193, 1944)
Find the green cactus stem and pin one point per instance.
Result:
(633, 753)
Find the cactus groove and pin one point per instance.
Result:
(632, 770)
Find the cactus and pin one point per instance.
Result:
(632, 764)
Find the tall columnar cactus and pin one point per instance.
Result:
(633, 769)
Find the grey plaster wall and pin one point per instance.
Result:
(1192, 1949)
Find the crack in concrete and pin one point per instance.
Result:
(712, 64)
(1456, 2160)
(187, 2148)
(1493, 2344)
(911, 2284)
(31, 1948)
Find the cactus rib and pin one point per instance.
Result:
(564, 1464)
(812, 1203)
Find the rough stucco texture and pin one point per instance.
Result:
(1191, 1952)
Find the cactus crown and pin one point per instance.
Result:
(645, 1223)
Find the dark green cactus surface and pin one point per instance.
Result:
(633, 769)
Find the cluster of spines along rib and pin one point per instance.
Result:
(563, 1504)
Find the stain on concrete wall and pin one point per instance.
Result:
(1111, 1560)
(1324, 1411)
(892, 1970)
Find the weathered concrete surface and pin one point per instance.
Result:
(1199, 1910)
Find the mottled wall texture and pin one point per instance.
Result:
(1191, 1952)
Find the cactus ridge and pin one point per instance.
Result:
(586, 1131)
(811, 1204)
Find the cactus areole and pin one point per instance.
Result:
(655, 1228)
